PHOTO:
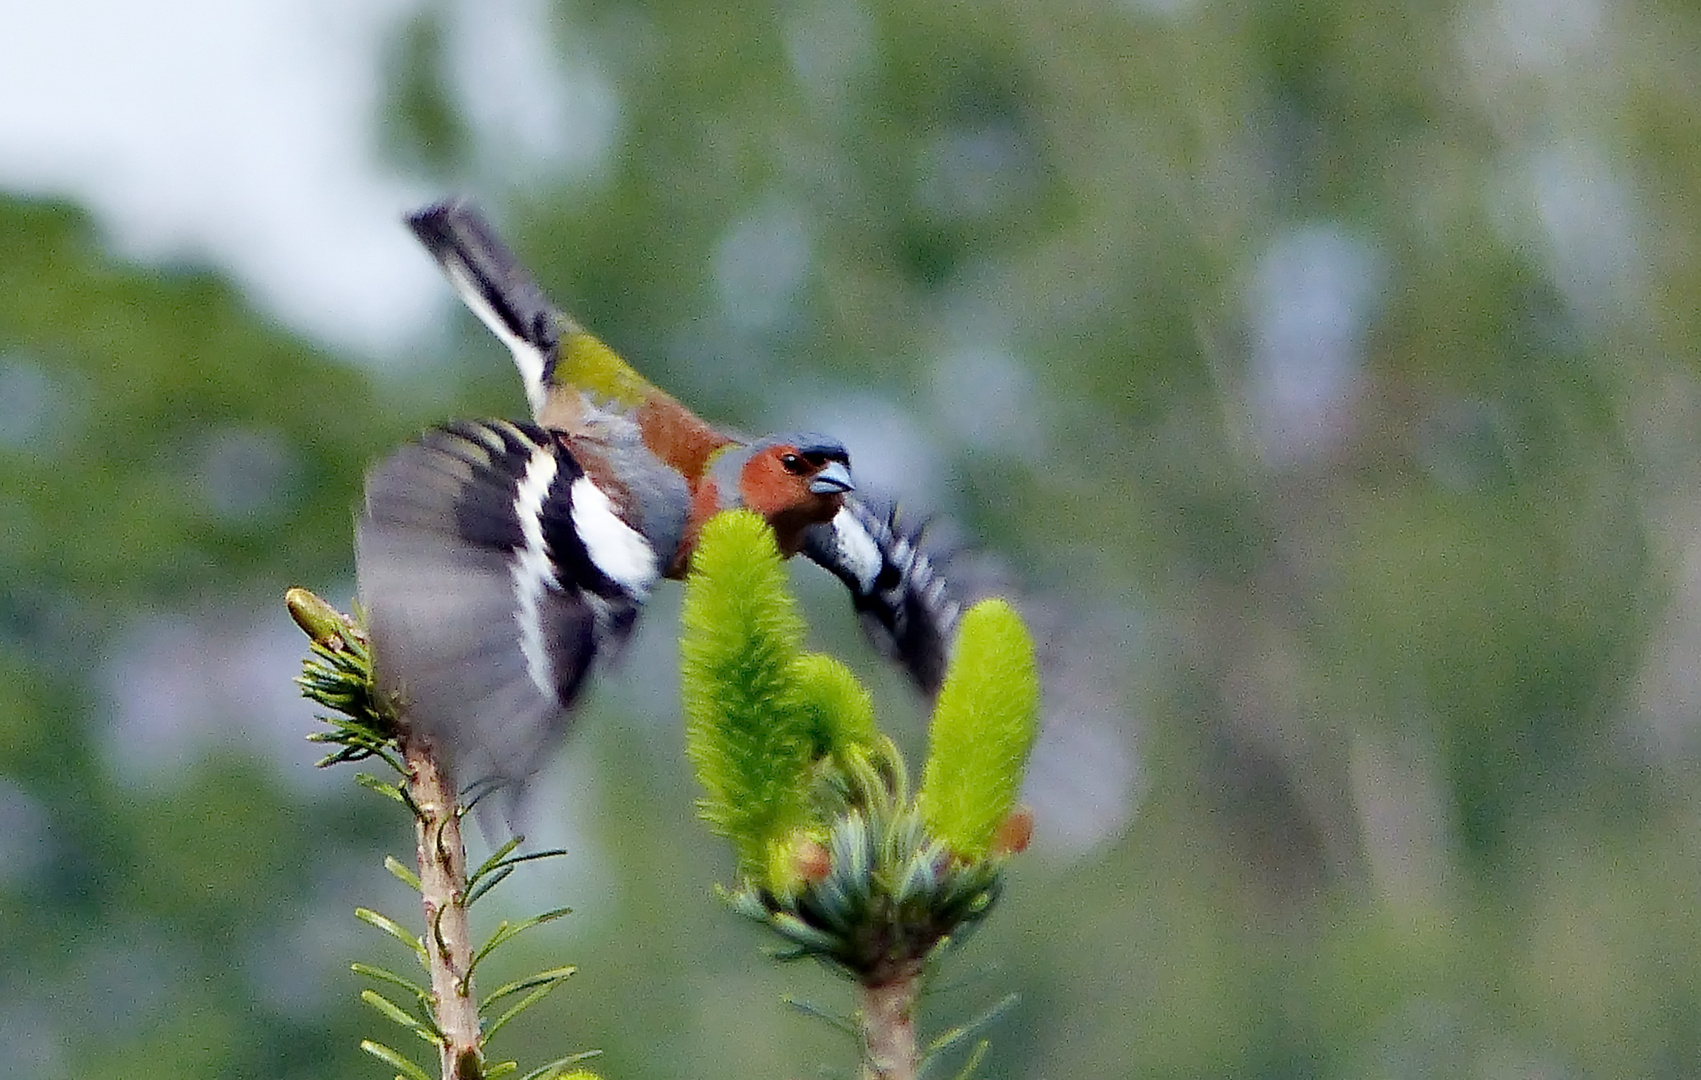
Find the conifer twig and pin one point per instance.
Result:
(886, 1013)
(834, 854)
(443, 890)
(338, 674)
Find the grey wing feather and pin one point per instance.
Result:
(441, 578)
(445, 640)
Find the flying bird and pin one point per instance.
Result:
(501, 562)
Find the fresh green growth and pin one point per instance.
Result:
(983, 728)
(751, 731)
(838, 707)
(834, 855)
(338, 675)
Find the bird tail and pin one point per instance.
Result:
(501, 292)
(548, 346)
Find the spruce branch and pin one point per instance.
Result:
(887, 1012)
(834, 854)
(338, 674)
(442, 859)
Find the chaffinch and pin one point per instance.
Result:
(498, 560)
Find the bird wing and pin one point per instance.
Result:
(907, 608)
(494, 572)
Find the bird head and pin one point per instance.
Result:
(794, 481)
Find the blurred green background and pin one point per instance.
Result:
(1324, 376)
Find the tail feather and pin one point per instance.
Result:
(502, 293)
(554, 354)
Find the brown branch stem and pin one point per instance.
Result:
(887, 1014)
(443, 889)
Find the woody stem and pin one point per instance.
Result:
(887, 1014)
(443, 890)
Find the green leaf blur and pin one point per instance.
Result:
(1371, 714)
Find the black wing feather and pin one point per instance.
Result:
(444, 571)
(908, 610)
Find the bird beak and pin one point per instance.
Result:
(833, 479)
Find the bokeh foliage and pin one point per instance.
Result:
(1404, 645)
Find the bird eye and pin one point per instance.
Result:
(792, 463)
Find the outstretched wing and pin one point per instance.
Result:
(907, 608)
(494, 572)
